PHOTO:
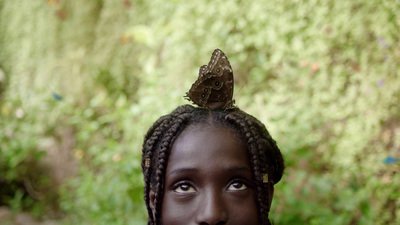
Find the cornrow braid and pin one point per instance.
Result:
(265, 157)
(256, 165)
(156, 135)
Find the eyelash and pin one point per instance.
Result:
(242, 182)
(180, 185)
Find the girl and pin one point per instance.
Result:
(210, 165)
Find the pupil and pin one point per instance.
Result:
(217, 83)
(237, 185)
(203, 95)
(185, 187)
(205, 89)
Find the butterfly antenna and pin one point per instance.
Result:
(238, 91)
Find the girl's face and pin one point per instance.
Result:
(208, 180)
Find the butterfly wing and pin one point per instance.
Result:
(214, 87)
(218, 64)
(221, 93)
(202, 72)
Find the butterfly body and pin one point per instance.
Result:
(214, 86)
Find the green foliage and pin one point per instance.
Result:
(19, 153)
(322, 75)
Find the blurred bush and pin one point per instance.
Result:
(81, 82)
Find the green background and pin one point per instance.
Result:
(82, 81)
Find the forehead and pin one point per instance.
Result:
(198, 146)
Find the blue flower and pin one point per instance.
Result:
(390, 160)
(57, 96)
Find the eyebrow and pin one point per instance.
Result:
(238, 168)
(181, 170)
(189, 170)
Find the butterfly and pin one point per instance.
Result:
(214, 87)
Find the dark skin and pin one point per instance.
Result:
(208, 180)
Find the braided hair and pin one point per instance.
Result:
(265, 156)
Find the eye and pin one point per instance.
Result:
(237, 186)
(184, 188)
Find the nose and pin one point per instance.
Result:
(212, 210)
